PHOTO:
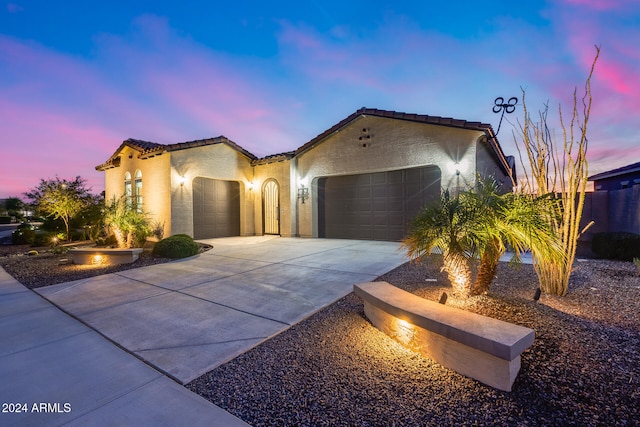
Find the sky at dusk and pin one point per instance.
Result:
(77, 77)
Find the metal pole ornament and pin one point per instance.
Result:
(506, 107)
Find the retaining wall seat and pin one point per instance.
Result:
(473, 345)
(104, 256)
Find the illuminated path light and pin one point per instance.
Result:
(104, 256)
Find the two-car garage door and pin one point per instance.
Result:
(375, 206)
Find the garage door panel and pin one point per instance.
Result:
(216, 208)
(376, 206)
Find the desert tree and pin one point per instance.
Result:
(60, 198)
(559, 169)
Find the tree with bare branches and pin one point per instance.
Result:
(561, 171)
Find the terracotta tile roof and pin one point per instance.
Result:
(273, 158)
(136, 144)
(420, 118)
(634, 167)
(141, 145)
(149, 149)
(210, 141)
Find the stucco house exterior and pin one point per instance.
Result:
(614, 206)
(363, 178)
(617, 179)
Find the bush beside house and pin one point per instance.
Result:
(178, 246)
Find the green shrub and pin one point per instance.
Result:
(23, 236)
(182, 236)
(43, 238)
(178, 246)
(5, 219)
(617, 246)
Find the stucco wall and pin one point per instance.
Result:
(279, 171)
(212, 161)
(392, 144)
(156, 197)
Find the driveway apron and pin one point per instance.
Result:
(189, 316)
(56, 371)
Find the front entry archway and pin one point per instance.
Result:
(271, 207)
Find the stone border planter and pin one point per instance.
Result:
(473, 345)
(104, 256)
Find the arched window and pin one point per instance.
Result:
(128, 191)
(138, 190)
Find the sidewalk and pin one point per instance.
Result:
(57, 371)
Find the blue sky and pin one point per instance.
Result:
(77, 78)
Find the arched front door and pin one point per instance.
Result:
(271, 207)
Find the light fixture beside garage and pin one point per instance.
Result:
(303, 193)
(182, 180)
(458, 167)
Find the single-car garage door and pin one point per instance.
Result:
(375, 206)
(216, 208)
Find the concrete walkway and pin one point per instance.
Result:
(184, 318)
(56, 371)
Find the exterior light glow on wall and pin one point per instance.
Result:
(458, 167)
(403, 331)
(303, 193)
(98, 260)
(182, 181)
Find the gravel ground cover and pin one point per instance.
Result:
(336, 369)
(48, 268)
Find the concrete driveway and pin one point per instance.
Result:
(190, 316)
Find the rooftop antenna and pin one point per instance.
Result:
(506, 107)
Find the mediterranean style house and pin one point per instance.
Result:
(363, 178)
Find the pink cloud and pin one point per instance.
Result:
(42, 144)
(156, 84)
(600, 5)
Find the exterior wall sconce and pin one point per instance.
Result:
(182, 180)
(458, 167)
(303, 193)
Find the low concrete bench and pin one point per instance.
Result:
(104, 256)
(476, 346)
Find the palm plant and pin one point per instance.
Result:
(474, 229)
(128, 225)
(512, 220)
(445, 226)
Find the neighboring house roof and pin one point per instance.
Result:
(634, 167)
(420, 118)
(150, 149)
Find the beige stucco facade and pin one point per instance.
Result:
(391, 145)
(362, 143)
(156, 183)
(217, 161)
